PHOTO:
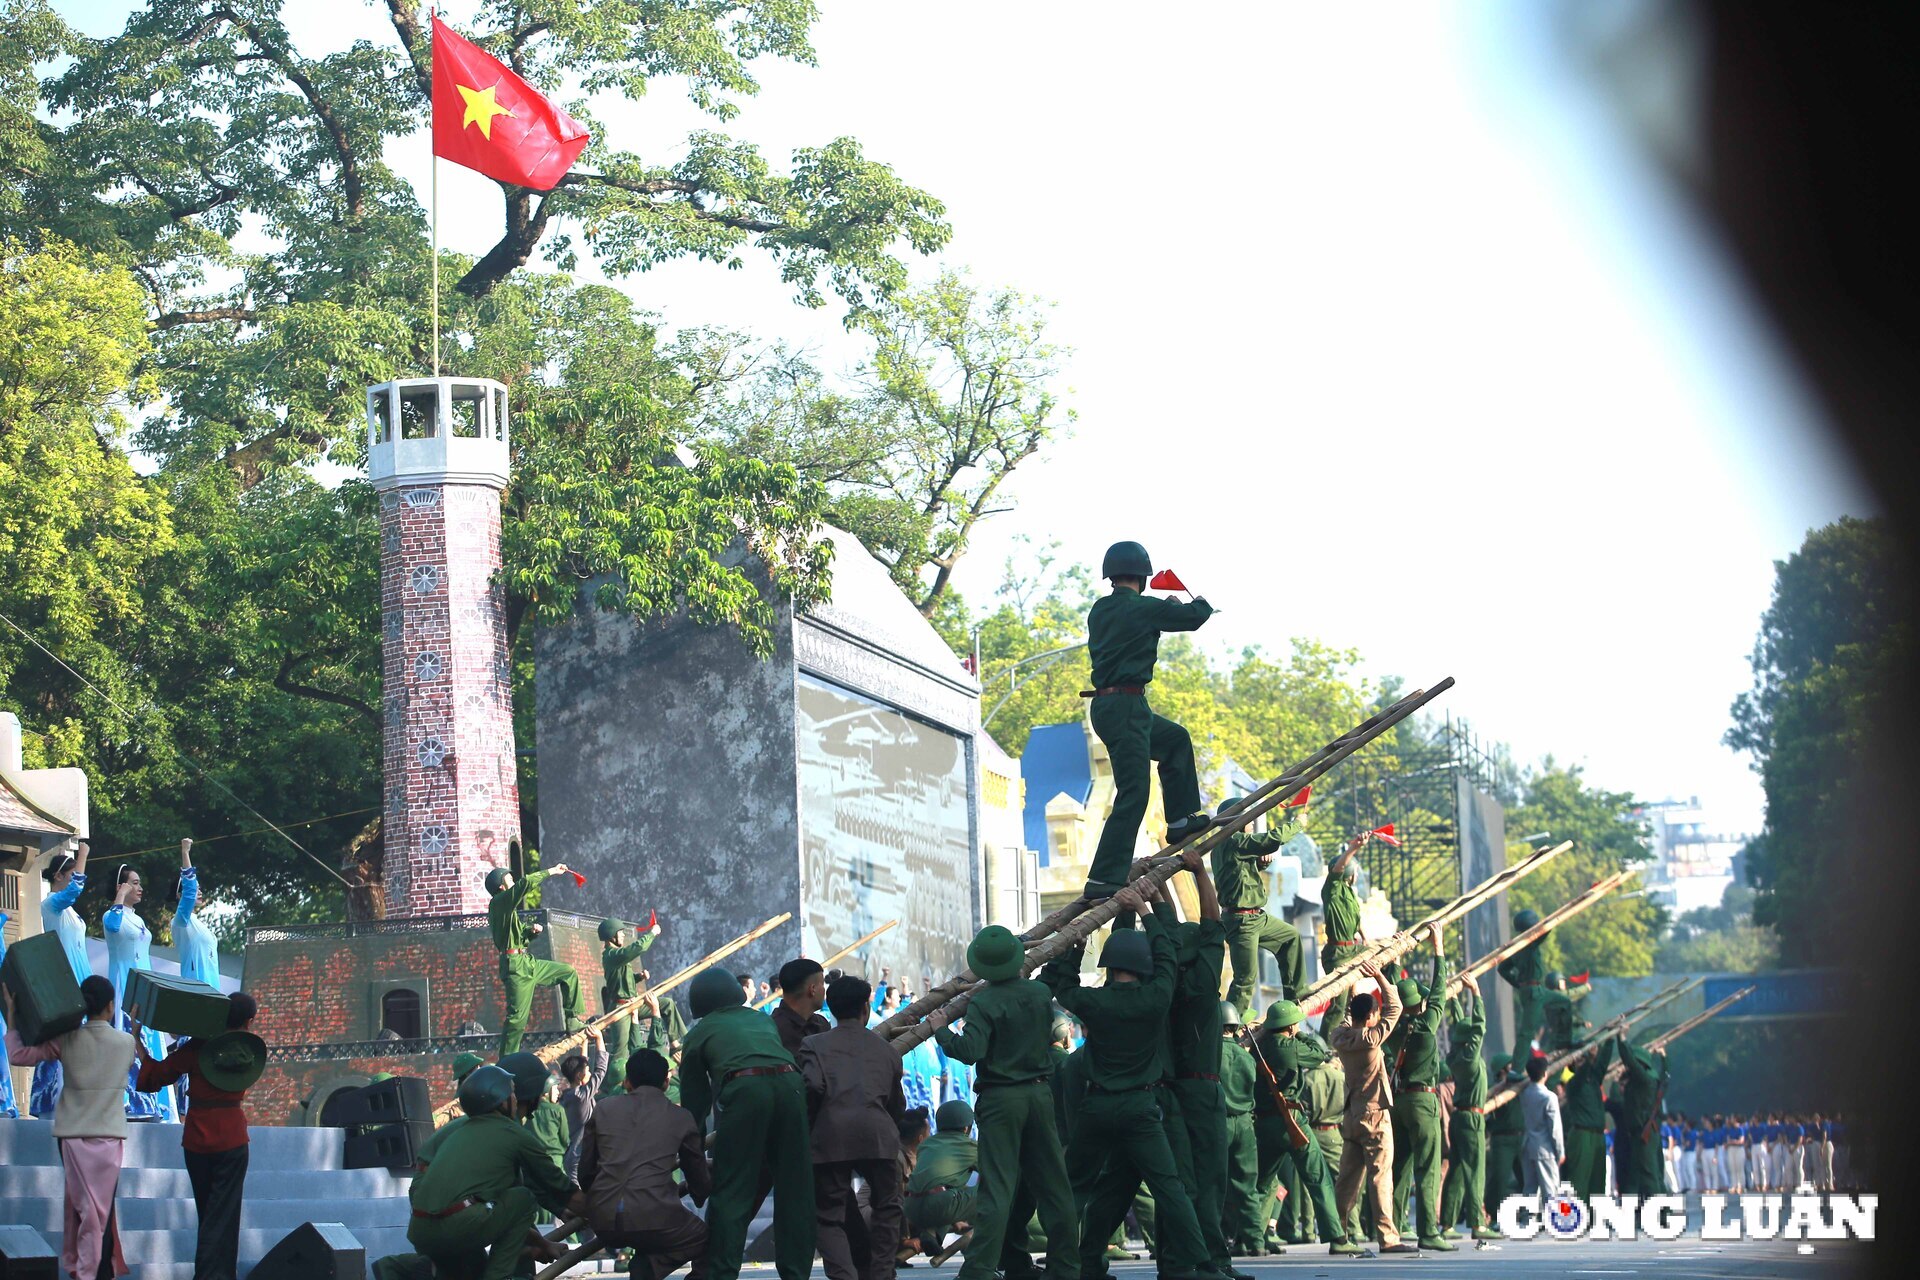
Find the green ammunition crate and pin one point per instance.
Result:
(178, 1006)
(46, 996)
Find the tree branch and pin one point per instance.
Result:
(174, 319)
(283, 680)
(408, 29)
(349, 167)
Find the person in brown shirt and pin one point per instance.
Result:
(803, 990)
(1366, 1130)
(629, 1150)
(857, 1102)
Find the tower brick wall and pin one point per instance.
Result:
(452, 792)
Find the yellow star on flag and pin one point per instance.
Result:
(481, 108)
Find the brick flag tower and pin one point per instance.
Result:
(437, 456)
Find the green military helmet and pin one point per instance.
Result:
(1230, 1014)
(1284, 1013)
(1230, 807)
(530, 1075)
(1126, 560)
(714, 989)
(953, 1117)
(496, 879)
(1497, 1064)
(1409, 992)
(996, 954)
(1556, 980)
(1128, 950)
(1525, 918)
(612, 929)
(464, 1064)
(486, 1089)
(1062, 1028)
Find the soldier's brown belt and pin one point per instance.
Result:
(1138, 1088)
(755, 1071)
(981, 1086)
(458, 1206)
(1112, 689)
(1418, 1088)
(1334, 1124)
(1246, 911)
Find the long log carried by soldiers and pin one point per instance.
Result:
(1074, 923)
(1625, 1020)
(1519, 942)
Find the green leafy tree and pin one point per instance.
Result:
(1617, 938)
(1835, 646)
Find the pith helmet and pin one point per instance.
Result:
(530, 1075)
(1128, 950)
(1498, 1063)
(1126, 560)
(495, 879)
(464, 1064)
(996, 954)
(1556, 981)
(1229, 1014)
(714, 989)
(1063, 1028)
(1285, 1013)
(953, 1117)
(1409, 991)
(1525, 918)
(1230, 807)
(486, 1089)
(233, 1060)
(611, 929)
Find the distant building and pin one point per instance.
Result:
(1693, 858)
(1012, 864)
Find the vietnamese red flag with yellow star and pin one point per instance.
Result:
(487, 118)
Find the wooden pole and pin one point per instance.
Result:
(1508, 1091)
(562, 1047)
(1527, 937)
(959, 1243)
(1667, 1037)
(1081, 918)
(841, 954)
(1388, 949)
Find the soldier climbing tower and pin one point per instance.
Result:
(437, 456)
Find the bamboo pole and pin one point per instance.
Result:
(841, 954)
(560, 1048)
(568, 1260)
(1527, 937)
(1081, 919)
(1626, 1018)
(1386, 950)
(1668, 1036)
(959, 1243)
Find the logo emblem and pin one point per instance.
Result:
(1567, 1215)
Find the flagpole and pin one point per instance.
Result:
(433, 184)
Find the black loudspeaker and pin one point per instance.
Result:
(382, 1103)
(314, 1251)
(24, 1255)
(389, 1146)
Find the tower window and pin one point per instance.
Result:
(400, 1013)
(419, 413)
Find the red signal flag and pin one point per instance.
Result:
(579, 881)
(1166, 580)
(1578, 978)
(1386, 834)
(1306, 793)
(653, 918)
(487, 118)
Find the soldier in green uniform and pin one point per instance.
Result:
(1238, 863)
(473, 1211)
(619, 948)
(734, 1066)
(1465, 1188)
(1524, 971)
(1340, 907)
(1006, 1039)
(1506, 1129)
(1642, 1170)
(1561, 1027)
(539, 1113)
(1123, 639)
(1419, 1070)
(1289, 1056)
(1246, 1227)
(938, 1198)
(1120, 1120)
(520, 973)
(1584, 1116)
(1325, 1094)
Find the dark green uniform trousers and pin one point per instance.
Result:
(522, 976)
(1465, 1188)
(1416, 1159)
(455, 1243)
(1331, 1147)
(1120, 1140)
(1526, 1021)
(1277, 1154)
(1135, 739)
(935, 1213)
(1503, 1154)
(1586, 1168)
(1248, 934)
(1332, 956)
(1246, 1228)
(1203, 1111)
(761, 1119)
(1020, 1154)
(617, 1036)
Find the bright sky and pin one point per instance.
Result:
(1381, 310)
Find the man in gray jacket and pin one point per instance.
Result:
(629, 1150)
(856, 1102)
(1544, 1147)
